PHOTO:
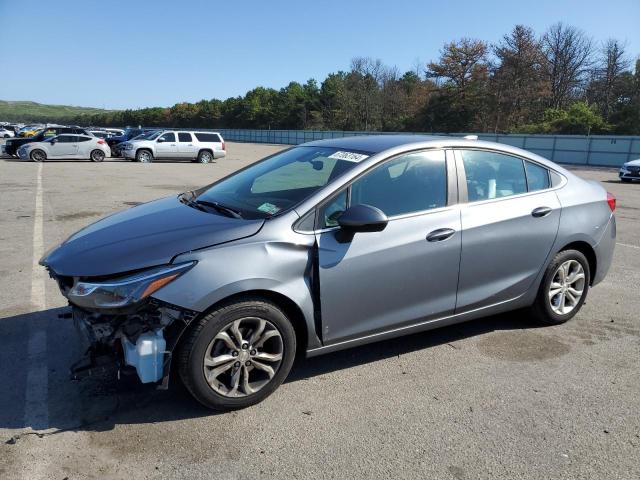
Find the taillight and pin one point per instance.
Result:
(223, 147)
(611, 200)
(101, 142)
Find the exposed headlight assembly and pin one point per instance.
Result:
(125, 291)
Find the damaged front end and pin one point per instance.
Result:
(124, 324)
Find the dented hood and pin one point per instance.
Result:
(144, 236)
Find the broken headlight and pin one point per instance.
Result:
(125, 291)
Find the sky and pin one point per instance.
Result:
(128, 54)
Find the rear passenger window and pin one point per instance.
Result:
(537, 176)
(83, 139)
(184, 137)
(492, 175)
(208, 137)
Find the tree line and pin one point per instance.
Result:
(558, 82)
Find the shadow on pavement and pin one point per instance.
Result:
(101, 403)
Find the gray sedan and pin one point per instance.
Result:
(329, 245)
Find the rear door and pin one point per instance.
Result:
(166, 146)
(186, 146)
(508, 226)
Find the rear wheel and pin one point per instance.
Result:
(564, 288)
(144, 156)
(237, 355)
(97, 155)
(38, 155)
(205, 157)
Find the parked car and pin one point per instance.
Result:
(28, 130)
(66, 146)
(196, 146)
(128, 134)
(630, 171)
(11, 146)
(101, 133)
(5, 132)
(329, 245)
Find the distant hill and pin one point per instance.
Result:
(16, 111)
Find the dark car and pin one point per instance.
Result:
(12, 145)
(128, 134)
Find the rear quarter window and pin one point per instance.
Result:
(208, 137)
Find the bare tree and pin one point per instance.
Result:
(568, 53)
(518, 85)
(610, 67)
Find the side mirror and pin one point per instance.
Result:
(160, 140)
(363, 218)
(54, 140)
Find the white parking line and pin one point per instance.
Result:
(36, 411)
(627, 245)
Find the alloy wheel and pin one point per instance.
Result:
(243, 357)
(567, 287)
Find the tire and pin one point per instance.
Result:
(556, 308)
(626, 180)
(96, 155)
(38, 155)
(144, 156)
(208, 338)
(205, 156)
(5, 136)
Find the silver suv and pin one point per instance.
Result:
(193, 145)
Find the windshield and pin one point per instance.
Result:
(154, 135)
(146, 136)
(281, 181)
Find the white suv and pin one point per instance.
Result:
(193, 145)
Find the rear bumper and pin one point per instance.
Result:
(219, 154)
(604, 251)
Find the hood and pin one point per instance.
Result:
(633, 163)
(144, 236)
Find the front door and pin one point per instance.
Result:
(407, 273)
(509, 225)
(166, 146)
(65, 146)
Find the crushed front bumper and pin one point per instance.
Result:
(143, 339)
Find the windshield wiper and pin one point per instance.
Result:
(219, 207)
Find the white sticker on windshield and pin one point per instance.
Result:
(349, 156)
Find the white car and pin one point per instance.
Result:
(630, 171)
(5, 133)
(66, 146)
(193, 145)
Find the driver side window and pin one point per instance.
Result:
(168, 137)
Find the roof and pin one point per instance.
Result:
(373, 143)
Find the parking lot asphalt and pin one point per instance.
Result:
(493, 398)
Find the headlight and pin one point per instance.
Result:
(125, 291)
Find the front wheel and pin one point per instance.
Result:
(237, 355)
(625, 180)
(144, 156)
(97, 155)
(38, 156)
(564, 288)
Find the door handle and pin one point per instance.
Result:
(541, 212)
(440, 234)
